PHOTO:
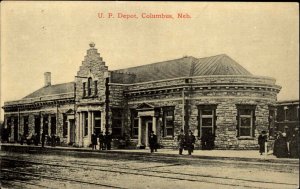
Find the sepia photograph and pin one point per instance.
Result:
(138, 95)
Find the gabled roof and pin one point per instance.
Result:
(183, 67)
(145, 105)
(52, 90)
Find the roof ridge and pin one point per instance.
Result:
(155, 63)
(58, 84)
(222, 54)
(50, 89)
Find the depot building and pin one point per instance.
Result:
(199, 94)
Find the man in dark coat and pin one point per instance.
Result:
(294, 144)
(101, 141)
(189, 142)
(35, 139)
(152, 141)
(108, 140)
(94, 140)
(43, 139)
(23, 138)
(280, 146)
(53, 140)
(262, 138)
(181, 141)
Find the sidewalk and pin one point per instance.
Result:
(240, 155)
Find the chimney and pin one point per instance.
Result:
(47, 76)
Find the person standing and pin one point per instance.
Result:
(190, 141)
(152, 141)
(108, 141)
(280, 146)
(294, 144)
(22, 139)
(262, 138)
(94, 140)
(43, 139)
(36, 139)
(181, 141)
(53, 139)
(101, 141)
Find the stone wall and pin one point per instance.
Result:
(259, 91)
(50, 110)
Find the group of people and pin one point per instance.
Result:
(287, 147)
(52, 140)
(186, 142)
(30, 139)
(104, 141)
(284, 147)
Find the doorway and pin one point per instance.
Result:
(148, 129)
(72, 131)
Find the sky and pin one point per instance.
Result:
(42, 36)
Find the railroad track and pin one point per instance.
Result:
(56, 178)
(15, 184)
(148, 172)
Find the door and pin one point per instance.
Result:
(207, 128)
(149, 128)
(72, 130)
(148, 131)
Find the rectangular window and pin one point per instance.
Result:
(206, 120)
(168, 122)
(9, 126)
(86, 118)
(65, 125)
(134, 124)
(246, 120)
(25, 119)
(89, 87)
(117, 122)
(84, 89)
(96, 87)
(97, 122)
(53, 125)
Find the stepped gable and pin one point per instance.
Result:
(183, 67)
(52, 90)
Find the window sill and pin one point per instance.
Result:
(246, 138)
